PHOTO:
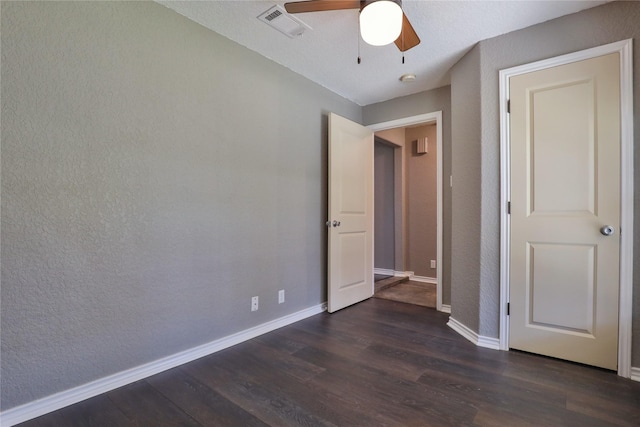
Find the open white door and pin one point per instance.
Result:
(565, 211)
(350, 220)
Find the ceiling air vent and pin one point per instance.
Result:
(279, 19)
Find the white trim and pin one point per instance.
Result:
(624, 48)
(403, 273)
(65, 398)
(387, 272)
(439, 212)
(626, 210)
(407, 121)
(410, 274)
(505, 222)
(436, 117)
(446, 308)
(635, 374)
(384, 272)
(424, 279)
(479, 340)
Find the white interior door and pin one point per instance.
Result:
(350, 220)
(565, 186)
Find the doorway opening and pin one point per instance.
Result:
(399, 248)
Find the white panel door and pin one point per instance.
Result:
(565, 186)
(350, 224)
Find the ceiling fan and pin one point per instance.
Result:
(381, 21)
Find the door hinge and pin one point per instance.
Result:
(508, 208)
(508, 308)
(508, 106)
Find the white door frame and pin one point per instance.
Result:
(625, 309)
(435, 117)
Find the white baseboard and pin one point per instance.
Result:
(384, 272)
(479, 340)
(65, 398)
(424, 279)
(494, 343)
(445, 308)
(394, 273)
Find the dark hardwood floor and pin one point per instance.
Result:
(378, 363)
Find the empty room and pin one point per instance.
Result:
(187, 227)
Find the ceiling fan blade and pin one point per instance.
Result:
(320, 5)
(408, 37)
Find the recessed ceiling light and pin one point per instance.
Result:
(407, 78)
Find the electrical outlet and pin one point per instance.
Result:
(254, 304)
(280, 296)
(433, 263)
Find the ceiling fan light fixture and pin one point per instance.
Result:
(381, 22)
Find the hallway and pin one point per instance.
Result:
(401, 289)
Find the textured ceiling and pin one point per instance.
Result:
(328, 53)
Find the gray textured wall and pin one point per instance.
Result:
(155, 176)
(384, 206)
(412, 105)
(476, 113)
(422, 202)
(466, 192)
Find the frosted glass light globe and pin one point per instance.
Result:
(381, 22)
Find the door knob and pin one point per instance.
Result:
(336, 223)
(607, 230)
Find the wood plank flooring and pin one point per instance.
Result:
(382, 283)
(378, 363)
(411, 292)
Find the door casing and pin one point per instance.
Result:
(624, 48)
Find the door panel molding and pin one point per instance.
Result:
(624, 48)
(350, 214)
